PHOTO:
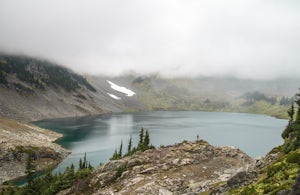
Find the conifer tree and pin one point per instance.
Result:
(289, 127)
(297, 101)
(115, 155)
(80, 164)
(141, 141)
(297, 123)
(291, 112)
(90, 167)
(84, 164)
(30, 169)
(146, 140)
(129, 145)
(69, 174)
(72, 168)
(120, 149)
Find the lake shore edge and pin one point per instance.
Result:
(18, 140)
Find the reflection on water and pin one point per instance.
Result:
(100, 136)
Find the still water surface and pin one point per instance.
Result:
(100, 136)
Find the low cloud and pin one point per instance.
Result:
(250, 39)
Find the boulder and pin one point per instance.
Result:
(113, 165)
(296, 186)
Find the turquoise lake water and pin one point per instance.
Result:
(99, 136)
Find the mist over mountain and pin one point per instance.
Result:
(248, 39)
(34, 89)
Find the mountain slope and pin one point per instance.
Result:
(33, 89)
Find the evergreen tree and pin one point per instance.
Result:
(69, 174)
(291, 112)
(72, 168)
(115, 155)
(84, 164)
(129, 145)
(298, 104)
(297, 122)
(120, 149)
(48, 176)
(90, 167)
(141, 141)
(80, 164)
(146, 140)
(30, 169)
(289, 128)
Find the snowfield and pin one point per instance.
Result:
(114, 96)
(121, 89)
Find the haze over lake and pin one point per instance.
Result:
(100, 136)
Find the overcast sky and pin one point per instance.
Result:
(246, 38)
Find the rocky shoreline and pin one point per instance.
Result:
(17, 139)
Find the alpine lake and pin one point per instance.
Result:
(99, 136)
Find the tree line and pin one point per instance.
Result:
(143, 144)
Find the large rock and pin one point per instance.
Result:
(186, 168)
(113, 165)
(296, 187)
(241, 178)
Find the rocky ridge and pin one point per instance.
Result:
(185, 168)
(17, 139)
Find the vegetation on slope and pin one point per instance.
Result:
(38, 74)
(280, 175)
(49, 183)
(166, 94)
(159, 94)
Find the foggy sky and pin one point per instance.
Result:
(249, 38)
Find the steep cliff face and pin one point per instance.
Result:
(189, 167)
(18, 139)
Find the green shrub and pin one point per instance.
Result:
(293, 157)
(121, 169)
(272, 170)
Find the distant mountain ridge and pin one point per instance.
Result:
(34, 89)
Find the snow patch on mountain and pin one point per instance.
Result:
(121, 89)
(114, 96)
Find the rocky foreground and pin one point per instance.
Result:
(185, 168)
(18, 139)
